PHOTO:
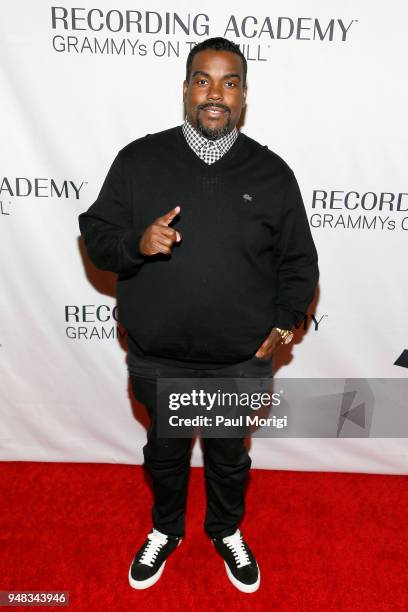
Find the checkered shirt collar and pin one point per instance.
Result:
(208, 150)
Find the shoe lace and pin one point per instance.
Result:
(236, 544)
(156, 541)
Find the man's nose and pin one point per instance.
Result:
(215, 92)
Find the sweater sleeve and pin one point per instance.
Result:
(297, 270)
(111, 240)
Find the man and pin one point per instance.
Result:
(208, 234)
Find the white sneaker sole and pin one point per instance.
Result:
(145, 584)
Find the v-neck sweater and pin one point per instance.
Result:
(246, 262)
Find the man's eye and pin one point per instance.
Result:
(202, 81)
(231, 83)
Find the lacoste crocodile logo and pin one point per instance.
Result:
(247, 197)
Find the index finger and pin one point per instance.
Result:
(168, 217)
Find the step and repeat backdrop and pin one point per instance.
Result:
(327, 91)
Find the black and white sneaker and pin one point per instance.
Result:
(148, 563)
(240, 563)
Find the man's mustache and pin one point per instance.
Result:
(221, 106)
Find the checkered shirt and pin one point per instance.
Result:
(208, 150)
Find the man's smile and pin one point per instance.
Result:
(213, 111)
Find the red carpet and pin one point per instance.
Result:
(324, 541)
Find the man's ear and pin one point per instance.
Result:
(185, 87)
(244, 94)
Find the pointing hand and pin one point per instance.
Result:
(158, 237)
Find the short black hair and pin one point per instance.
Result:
(218, 44)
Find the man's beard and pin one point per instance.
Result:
(213, 133)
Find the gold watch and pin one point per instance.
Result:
(286, 335)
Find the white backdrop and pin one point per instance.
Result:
(326, 91)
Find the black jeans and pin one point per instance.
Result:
(226, 460)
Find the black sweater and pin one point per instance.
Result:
(246, 263)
